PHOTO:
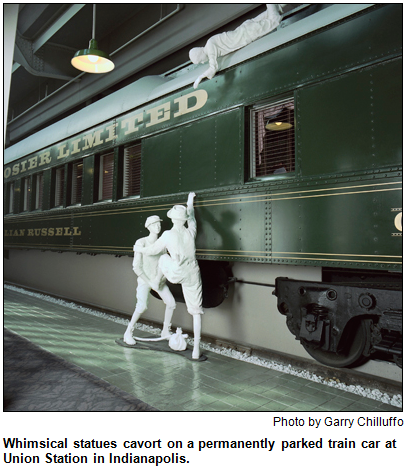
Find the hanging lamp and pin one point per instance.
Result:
(279, 121)
(92, 60)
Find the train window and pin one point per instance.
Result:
(11, 197)
(39, 188)
(273, 139)
(26, 193)
(59, 185)
(106, 176)
(76, 170)
(132, 171)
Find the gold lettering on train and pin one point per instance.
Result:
(131, 124)
(159, 114)
(64, 231)
(61, 150)
(398, 221)
(75, 146)
(33, 162)
(184, 102)
(45, 158)
(92, 140)
(112, 132)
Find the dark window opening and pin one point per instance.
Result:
(26, 193)
(132, 171)
(39, 188)
(273, 143)
(10, 197)
(59, 186)
(106, 176)
(76, 185)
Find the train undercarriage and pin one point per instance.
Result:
(345, 323)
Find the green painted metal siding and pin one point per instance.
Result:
(351, 123)
(349, 224)
(201, 155)
(337, 209)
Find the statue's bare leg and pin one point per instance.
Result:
(197, 327)
(128, 335)
(166, 329)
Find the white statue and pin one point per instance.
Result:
(146, 268)
(180, 265)
(224, 43)
(177, 341)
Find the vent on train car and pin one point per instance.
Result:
(273, 139)
(132, 171)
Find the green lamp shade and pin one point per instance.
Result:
(92, 60)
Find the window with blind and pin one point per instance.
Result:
(11, 197)
(132, 171)
(39, 187)
(273, 139)
(106, 176)
(76, 186)
(26, 193)
(59, 185)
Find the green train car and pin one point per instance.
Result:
(295, 153)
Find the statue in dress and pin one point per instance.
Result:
(224, 43)
(146, 269)
(179, 264)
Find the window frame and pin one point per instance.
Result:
(10, 197)
(39, 191)
(100, 164)
(59, 187)
(123, 179)
(254, 109)
(26, 192)
(73, 176)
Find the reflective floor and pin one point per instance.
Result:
(167, 381)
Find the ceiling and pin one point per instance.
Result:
(142, 39)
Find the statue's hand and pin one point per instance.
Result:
(138, 248)
(190, 198)
(197, 81)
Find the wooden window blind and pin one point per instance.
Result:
(77, 179)
(273, 139)
(26, 193)
(106, 176)
(39, 188)
(132, 171)
(11, 198)
(59, 185)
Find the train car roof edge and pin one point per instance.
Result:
(150, 88)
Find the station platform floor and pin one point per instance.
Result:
(58, 357)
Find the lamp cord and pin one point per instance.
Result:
(94, 22)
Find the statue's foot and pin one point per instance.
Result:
(128, 338)
(166, 333)
(196, 352)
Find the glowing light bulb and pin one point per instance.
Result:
(92, 58)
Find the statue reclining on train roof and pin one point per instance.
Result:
(229, 41)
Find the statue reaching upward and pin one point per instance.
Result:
(180, 265)
(224, 43)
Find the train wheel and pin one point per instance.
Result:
(354, 343)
